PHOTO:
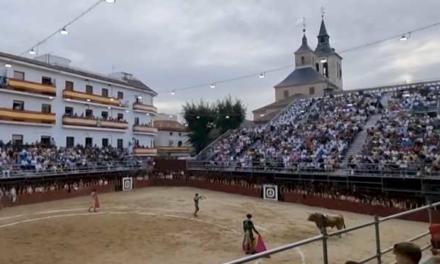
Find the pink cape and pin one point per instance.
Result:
(261, 246)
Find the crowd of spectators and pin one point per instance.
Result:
(43, 158)
(11, 194)
(311, 134)
(92, 117)
(354, 194)
(406, 138)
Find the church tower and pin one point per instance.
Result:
(328, 63)
(304, 56)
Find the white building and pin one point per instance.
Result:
(44, 100)
(172, 139)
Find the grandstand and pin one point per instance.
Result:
(390, 130)
(327, 174)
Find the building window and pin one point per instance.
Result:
(104, 92)
(317, 67)
(46, 108)
(69, 86)
(89, 89)
(45, 140)
(171, 133)
(312, 90)
(46, 80)
(70, 142)
(325, 69)
(286, 93)
(180, 134)
(136, 120)
(120, 117)
(17, 140)
(89, 113)
(303, 60)
(105, 142)
(339, 71)
(179, 144)
(18, 105)
(89, 142)
(120, 143)
(68, 111)
(19, 75)
(104, 114)
(120, 95)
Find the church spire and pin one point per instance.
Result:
(304, 45)
(323, 47)
(322, 29)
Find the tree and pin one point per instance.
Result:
(206, 122)
(200, 119)
(229, 114)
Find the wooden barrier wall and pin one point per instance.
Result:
(310, 200)
(344, 205)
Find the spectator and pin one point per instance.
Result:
(407, 253)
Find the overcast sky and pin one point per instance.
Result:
(170, 44)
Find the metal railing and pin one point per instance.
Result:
(304, 168)
(325, 236)
(16, 172)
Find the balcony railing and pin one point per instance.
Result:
(75, 95)
(167, 149)
(144, 108)
(144, 151)
(93, 122)
(144, 129)
(31, 87)
(26, 116)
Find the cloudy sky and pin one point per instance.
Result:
(174, 43)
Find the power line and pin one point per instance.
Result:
(261, 74)
(63, 29)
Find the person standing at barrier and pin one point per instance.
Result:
(94, 201)
(249, 239)
(407, 253)
(197, 198)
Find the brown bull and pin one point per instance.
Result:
(324, 221)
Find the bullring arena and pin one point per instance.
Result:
(156, 225)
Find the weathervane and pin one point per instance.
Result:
(322, 12)
(304, 24)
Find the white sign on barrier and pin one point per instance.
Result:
(127, 184)
(270, 192)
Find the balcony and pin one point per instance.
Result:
(144, 108)
(31, 87)
(8, 114)
(75, 95)
(169, 125)
(94, 122)
(171, 149)
(144, 129)
(144, 151)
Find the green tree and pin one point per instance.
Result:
(208, 121)
(200, 119)
(229, 114)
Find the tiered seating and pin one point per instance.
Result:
(311, 134)
(406, 139)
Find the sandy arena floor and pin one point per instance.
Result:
(155, 225)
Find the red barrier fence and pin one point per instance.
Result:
(311, 200)
(39, 197)
(355, 207)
